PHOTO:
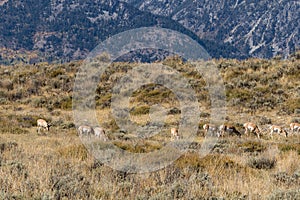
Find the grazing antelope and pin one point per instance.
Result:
(229, 129)
(42, 124)
(252, 128)
(85, 130)
(295, 127)
(210, 127)
(100, 133)
(277, 129)
(174, 133)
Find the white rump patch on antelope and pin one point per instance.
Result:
(174, 133)
(42, 124)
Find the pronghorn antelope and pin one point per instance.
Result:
(100, 133)
(206, 127)
(277, 129)
(42, 124)
(252, 128)
(174, 133)
(295, 127)
(229, 129)
(209, 127)
(85, 130)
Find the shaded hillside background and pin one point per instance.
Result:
(61, 31)
(57, 166)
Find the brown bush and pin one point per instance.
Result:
(262, 162)
(7, 85)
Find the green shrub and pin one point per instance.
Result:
(242, 94)
(292, 104)
(140, 110)
(56, 73)
(39, 102)
(153, 94)
(6, 84)
(7, 146)
(13, 130)
(26, 120)
(138, 147)
(104, 100)
(252, 146)
(66, 103)
(289, 147)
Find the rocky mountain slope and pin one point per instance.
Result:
(69, 29)
(258, 28)
(64, 30)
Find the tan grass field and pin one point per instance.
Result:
(56, 165)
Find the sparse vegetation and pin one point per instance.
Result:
(58, 166)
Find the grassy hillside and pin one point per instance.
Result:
(57, 165)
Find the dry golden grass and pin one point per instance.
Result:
(56, 165)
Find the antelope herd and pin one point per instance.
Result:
(250, 128)
(99, 132)
(220, 131)
(83, 130)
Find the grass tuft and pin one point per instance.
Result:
(74, 151)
